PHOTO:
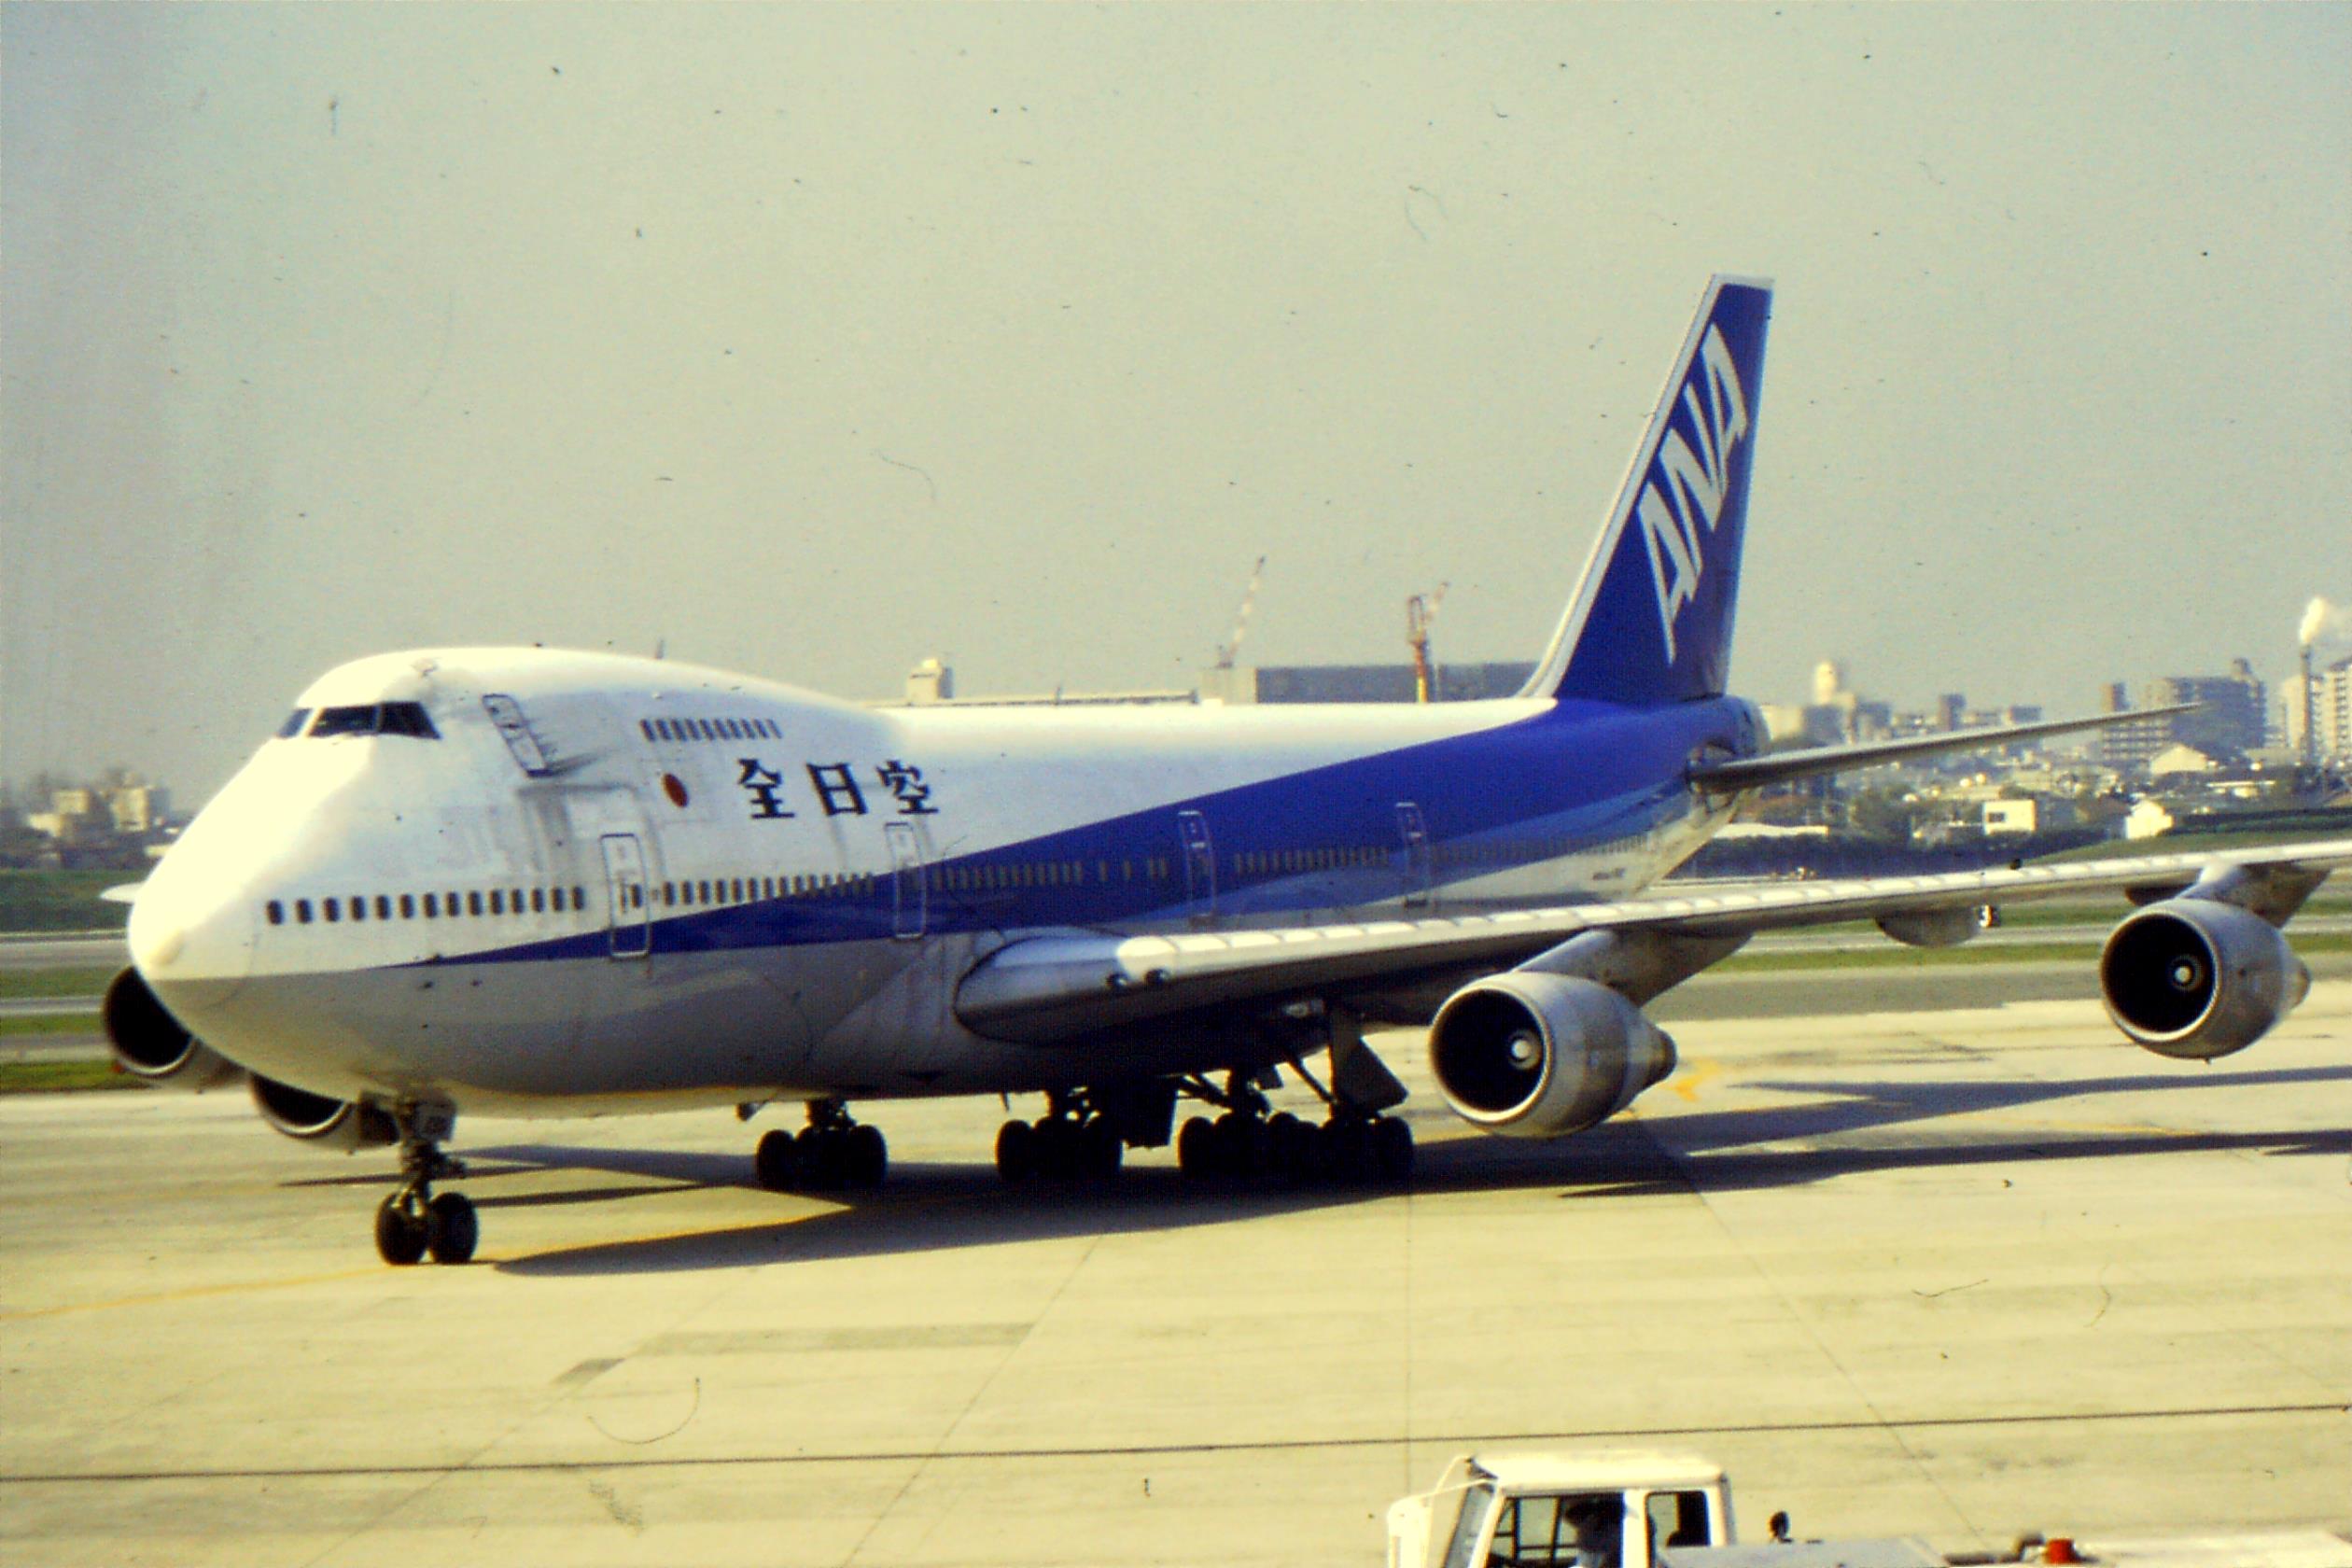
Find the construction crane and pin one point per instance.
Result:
(1419, 615)
(1227, 649)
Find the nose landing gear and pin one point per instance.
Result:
(414, 1220)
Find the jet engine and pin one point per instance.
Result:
(335, 1124)
(152, 1044)
(2196, 979)
(1532, 1054)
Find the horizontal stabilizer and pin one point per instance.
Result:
(1779, 767)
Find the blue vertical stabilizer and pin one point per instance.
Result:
(1651, 621)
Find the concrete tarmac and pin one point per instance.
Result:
(1961, 1273)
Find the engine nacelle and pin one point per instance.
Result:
(335, 1124)
(1530, 1055)
(150, 1043)
(2196, 979)
(1939, 927)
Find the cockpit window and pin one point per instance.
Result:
(408, 718)
(398, 719)
(294, 722)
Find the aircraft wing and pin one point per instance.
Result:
(1780, 767)
(1049, 989)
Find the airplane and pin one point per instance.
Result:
(505, 881)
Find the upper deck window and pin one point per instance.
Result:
(294, 722)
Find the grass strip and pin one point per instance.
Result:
(40, 1024)
(49, 1077)
(76, 982)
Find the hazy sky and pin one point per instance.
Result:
(816, 341)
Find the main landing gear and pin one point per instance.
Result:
(833, 1151)
(1076, 1141)
(1246, 1144)
(414, 1220)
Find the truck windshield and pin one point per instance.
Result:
(1475, 1502)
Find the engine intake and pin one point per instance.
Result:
(1532, 1054)
(337, 1124)
(148, 1043)
(2195, 979)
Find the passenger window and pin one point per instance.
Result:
(433, 907)
(329, 908)
(301, 911)
(645, 727)
(473, 902)
(538, 900)
(670, 894)
(702, 892)
(737, 886)
(408, 907)
(276, 912)
(294, 722)
(383, 908)
(497, 902)
(579, 898)
(359, 907)
(455, 907)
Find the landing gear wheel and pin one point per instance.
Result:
(400, 1231)
(1241, 1146)
(865, 1155)
(1195, 1149)
(1017, 1152)
(451, 1229)
(1100, 1150)
(778, 1161)
(1393, 1150)
(820, 1154)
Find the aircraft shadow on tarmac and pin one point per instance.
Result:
(932, 1207)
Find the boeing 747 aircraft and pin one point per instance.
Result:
(520, 882)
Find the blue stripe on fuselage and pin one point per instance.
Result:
(1578, 775)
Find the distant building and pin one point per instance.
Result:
(2227, 723)
(1360, 683)
(2012, 816)
(2147, 818)
(2329, 708)
(932, 684)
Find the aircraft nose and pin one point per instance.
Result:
(192, 931)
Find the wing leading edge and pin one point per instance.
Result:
(1052, 989)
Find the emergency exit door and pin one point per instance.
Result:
(1421, 868)
(631, 915)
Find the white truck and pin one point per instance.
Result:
(1644, 1509)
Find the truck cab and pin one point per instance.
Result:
(1605, 1510)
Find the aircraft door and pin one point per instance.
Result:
(909, 904)
(1200, 865)
(1419, 860)
(631, 913)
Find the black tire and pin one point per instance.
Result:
(821, 1162)
(1017, 1152)
(1195, 1149)
(399, 1233)
(1289, 1148)
(451, 1228)
(1056, 1148)
(778, 1161)
(1393, 1150)
(1344, 1150)
(865, 1156)
(1100, 1150)
(1240, 1146)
